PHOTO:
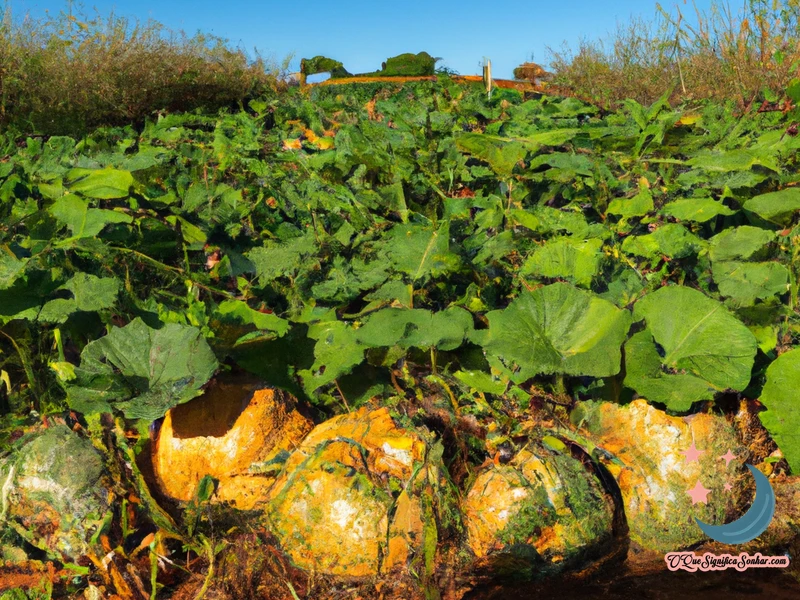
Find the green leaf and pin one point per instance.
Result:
(553, 443)
(744, 282)
(645, 373)
(733, 160)
(10, 268)
(205, 489)
(766, 335)
(236, 314)
(793, 90)
(564, 166)
(445, 330)
(699, 210)
(348, 278)
(336, 352)
(482, 382)
(689, 326)
(740, 242)
(577, 261)
(90, 293)
(502, 154)
(281, 259)
(557, 329)
(83, 221)
(638, 206)
(554, 137)
(102, 184)
(777, 207)
(624, 287)
(420, 251)
(671, 240)
(194, 237)
(140, 371)
(782, 417)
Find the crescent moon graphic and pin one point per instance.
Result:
(752, 523)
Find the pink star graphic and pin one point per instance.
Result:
(698, 494)
(728, 457)
(692, 453)
(728, 487)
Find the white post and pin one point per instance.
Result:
(487, 76)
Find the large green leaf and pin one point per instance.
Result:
(691, 327)
(645, 373)
(557, 329)
(102, 184)
(89, 293)
(348, 278)
(420, 251)
(419, 328)
(777, 207)
(782, 417)
(336, 352)
(281, 259)
(733, 160)
(235, 322)
(671, 240)
(745, 282)
(740, 242)
(10, 268)
(140, 371)
(699, 210)
(577, 261)
(501, 153)
(637, 206)
(83, 221)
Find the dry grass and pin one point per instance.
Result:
(724, 53)
(70, 73)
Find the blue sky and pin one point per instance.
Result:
(363, 34)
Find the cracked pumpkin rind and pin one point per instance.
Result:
(653, 475)
(357, 498)
(542, 511)
(222, 434)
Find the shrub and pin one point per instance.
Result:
(70, 73)
(722, 55)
